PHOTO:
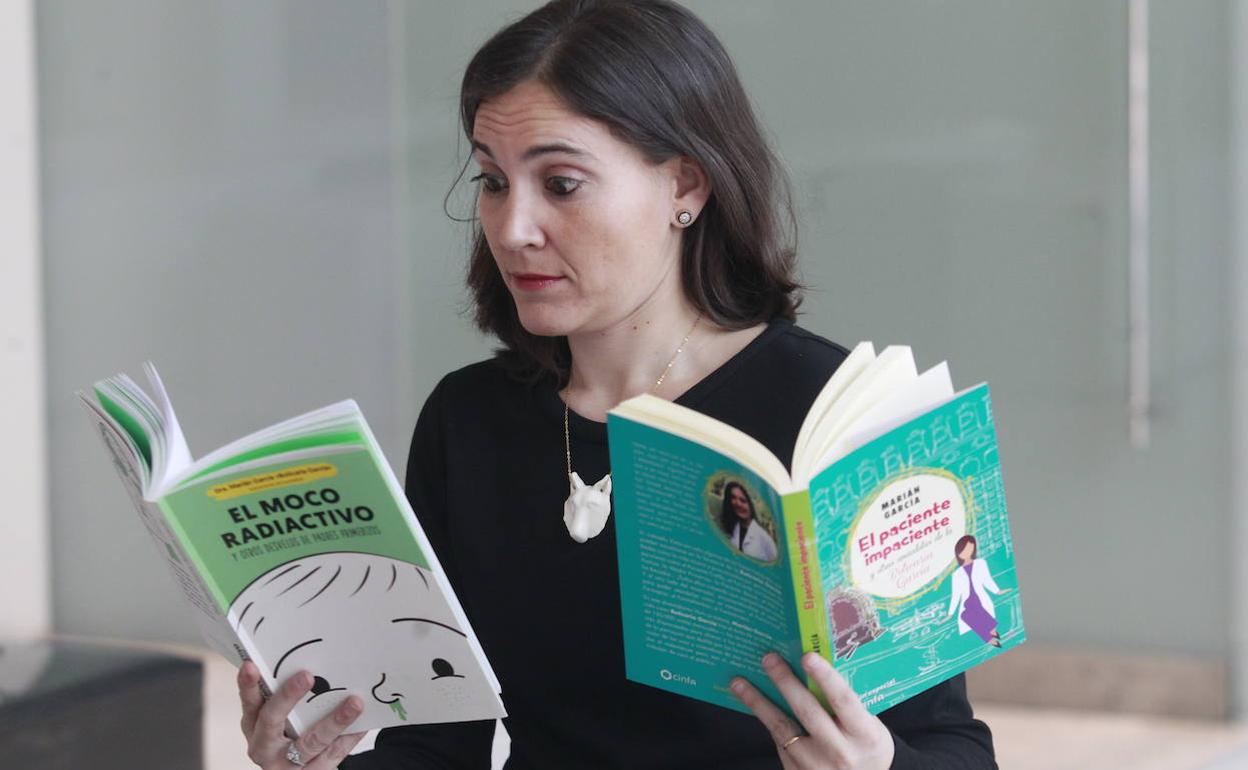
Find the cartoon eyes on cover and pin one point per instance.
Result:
(383, 626)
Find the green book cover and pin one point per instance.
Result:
(697, 608)
(297, 549)
(865, 569)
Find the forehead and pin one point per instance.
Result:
(531, 113)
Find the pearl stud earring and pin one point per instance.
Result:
(684, 218)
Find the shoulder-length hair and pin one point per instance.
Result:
(660, 81)
(962, 543)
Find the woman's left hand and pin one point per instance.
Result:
(849, 738)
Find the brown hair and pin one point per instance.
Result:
(962, 543)
(661, 81)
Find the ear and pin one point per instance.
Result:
(691, 187)
(604, 486)
(576, 481)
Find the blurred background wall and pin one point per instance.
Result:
(251, 195)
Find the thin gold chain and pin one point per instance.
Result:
(567, 438)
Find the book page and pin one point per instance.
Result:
(930, 389)
(705, 582)
(207, 615)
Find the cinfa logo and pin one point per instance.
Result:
(668, 676)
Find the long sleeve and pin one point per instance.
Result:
(936, 730)
(989, 582)
(955, 596)
(454, 746)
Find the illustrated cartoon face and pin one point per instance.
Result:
(967, 554)
(366, 625)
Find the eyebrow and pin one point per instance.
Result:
(288, 652)
(434, 622)
(539, 149)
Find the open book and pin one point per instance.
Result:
(886, 547)
(297, 549)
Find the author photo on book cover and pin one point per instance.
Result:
(633, 233)
(740, 523)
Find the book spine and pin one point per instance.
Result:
(210, 606)
(812, 620)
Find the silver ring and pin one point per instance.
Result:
(293, 756)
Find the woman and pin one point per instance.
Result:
(970, 600)
(631, 240)
(739, 523)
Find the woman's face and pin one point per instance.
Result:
(579, 223)
(967, 554)
(739, 502)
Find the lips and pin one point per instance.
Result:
(535, 281)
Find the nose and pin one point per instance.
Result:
(518, 225)
(385, 696)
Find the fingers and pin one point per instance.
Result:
(802, 701)
(337, 751)
(845, 704)
(271, 720)
(782, 728)
(323, 736)
(250, 695)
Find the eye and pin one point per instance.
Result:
(320, 686)
(562, 185)
(490, 182)
(442, 668)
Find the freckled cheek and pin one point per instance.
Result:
(624, 253)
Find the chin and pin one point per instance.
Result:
(545, 322)
(549, 319)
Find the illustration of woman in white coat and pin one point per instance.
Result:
(972, 583)
(743, 529)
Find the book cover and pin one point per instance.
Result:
(297, 549)
(895, 562)
(918, 581)
(697, 608)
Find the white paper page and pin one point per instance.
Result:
(179, 453)
(927, 391)
(892, 370)
(858, 361)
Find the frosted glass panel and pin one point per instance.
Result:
(218, 197)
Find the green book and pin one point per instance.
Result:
(886, 548)
(296, 548)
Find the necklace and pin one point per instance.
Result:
(586, 510)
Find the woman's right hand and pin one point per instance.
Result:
(264, 724)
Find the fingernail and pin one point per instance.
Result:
(737, 686)
(306, 679)
(771, 659)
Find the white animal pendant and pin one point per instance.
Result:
(586, 510)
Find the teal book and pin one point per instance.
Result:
(296, 548)
(886, 548)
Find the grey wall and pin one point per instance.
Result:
(219, 196)
(1237, 284)
(252, 195)
(962, 181)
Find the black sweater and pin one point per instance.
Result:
(486, 476)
